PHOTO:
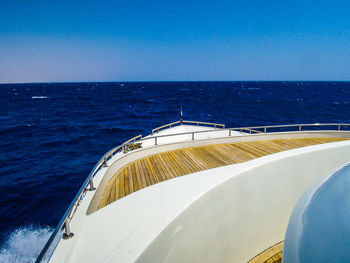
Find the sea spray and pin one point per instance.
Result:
(24, 244)
(40, 97)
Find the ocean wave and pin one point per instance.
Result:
(13, 129)
(40, 97)
(24, 244)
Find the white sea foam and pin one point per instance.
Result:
(40, 97)
(24, 244)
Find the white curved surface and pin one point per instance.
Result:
(318, 230)
(246, 213)
(226, 214)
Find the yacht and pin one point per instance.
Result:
(200, 192)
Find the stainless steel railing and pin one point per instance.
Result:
(170, 125)
(87, 186)
(88, 183)
(252, 130)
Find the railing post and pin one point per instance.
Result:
(91, 180)
(214, 126)
(105, 162)
(300, 128)
(67, 234)
(265, 130)
(155, 140)
(192, 135)
(229, 132)
(339, 127)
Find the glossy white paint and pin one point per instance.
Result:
(243, 214)
(227, 214)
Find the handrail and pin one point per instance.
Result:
(133, 139)
(206, 123)
(300, 126)
(251, 130)
(192, 122)
(165, 126)
(68, 215)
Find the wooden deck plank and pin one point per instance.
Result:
(121, 184)
(151, 171)
(135, 177)
(167, 165)
(170, 172)
(145, 172)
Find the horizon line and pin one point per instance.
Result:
(141, 81)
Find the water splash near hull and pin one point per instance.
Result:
(24, 244)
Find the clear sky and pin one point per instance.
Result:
(42, 41)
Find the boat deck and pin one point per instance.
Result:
(271, 255)
(167, 165)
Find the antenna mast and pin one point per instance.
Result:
(181, 118)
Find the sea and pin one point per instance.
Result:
(52, 134)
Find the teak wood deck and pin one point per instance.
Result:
(271, 255)
(167, 165)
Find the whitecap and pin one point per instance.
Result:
(24, 244)
(40, 97)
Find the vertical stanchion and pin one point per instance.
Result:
(91, 188)
(105, 162)
(67, 233)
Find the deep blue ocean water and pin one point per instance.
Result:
(51, 135)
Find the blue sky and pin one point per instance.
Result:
(42, 41)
